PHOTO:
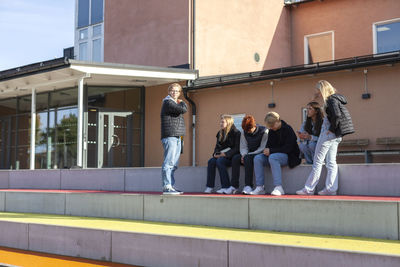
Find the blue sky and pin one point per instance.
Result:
(34, 30)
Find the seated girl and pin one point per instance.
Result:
(310, 131)
(228, 142)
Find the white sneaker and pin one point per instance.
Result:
(208, 190)
(246, 190)
(326, 192)
(304, 192)
(278, 191)
(259, 190)
(231, 190)
(221, 191)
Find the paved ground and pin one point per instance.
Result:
(16, 257)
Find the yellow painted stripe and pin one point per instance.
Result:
(367, 245)
(18, 257)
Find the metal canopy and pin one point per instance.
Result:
(96, 74)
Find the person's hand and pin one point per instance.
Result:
(222, 154)
(266, 151)
(216, 155)
(306, 136)
(178, 100)
(242, 160)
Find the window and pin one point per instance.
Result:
(237, 120)
(83, 13)
(386, 36)
(96, 51)
(94, 16)
(83, 51)
(89, 32)
(319, 47)
(96, 11)
(83, 34)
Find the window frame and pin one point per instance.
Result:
(306, 54)
(236, 117)
(375, 36)
(90, 37)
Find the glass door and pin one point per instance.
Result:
(114, 139)
(5, 142)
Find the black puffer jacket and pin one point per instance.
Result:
(338, 115)
(172, 122)
(232, 141)
(284, 140)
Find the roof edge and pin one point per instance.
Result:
(34, 68)
(320, 67)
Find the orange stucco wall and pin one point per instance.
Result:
(373, 118)
(229, 33)
(351, 22)
(151, 32)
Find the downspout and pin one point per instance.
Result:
(193, 106)
(192, 31)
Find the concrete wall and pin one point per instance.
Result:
(360, 218)
(248, 254)
(228, 34)
(152, 33)
(291, 95)
(138, 249)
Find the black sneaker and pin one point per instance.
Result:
(169, 190)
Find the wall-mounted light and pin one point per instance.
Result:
(366, 95)
(272, 103)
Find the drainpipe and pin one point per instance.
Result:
(193, 106)
(193, 65)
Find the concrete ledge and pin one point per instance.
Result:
(76, 242)
(124, 206)
(369, 179)
(51, 203)
(364, 218)
(250, 254)
(331, 217)
(14, 235)
(38, 179)
(2, 201)
(93, 179)
(163, 250)
(354, 179)
(156, 250)
(215, 211)
(4, 179)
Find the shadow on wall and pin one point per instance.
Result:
(279, 53)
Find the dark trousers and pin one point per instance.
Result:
(248, 170)
(221, 163)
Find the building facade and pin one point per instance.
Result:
(252, 57)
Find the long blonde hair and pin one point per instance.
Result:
(223, 133)
(326, 89)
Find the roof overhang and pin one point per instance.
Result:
(96, 74)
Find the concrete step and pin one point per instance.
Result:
(354, 179)
(163, 244)
(373, 217)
